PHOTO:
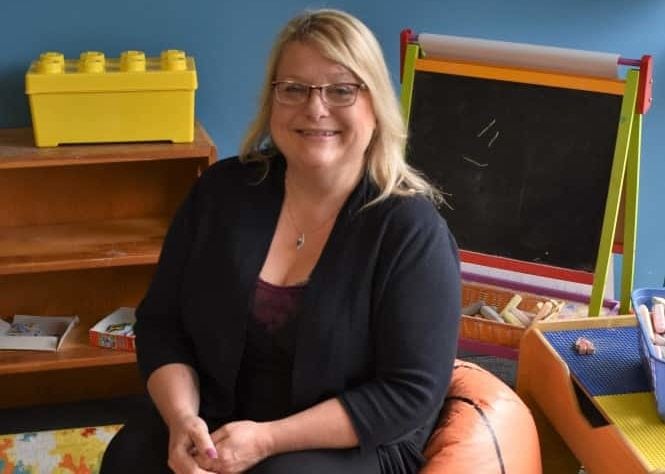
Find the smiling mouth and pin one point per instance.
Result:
(318, 133)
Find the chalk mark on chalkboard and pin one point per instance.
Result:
(444, 200)
(480, 165)
(489, 125)
(496, 135)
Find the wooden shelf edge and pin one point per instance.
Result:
(110, 158)
(113, 243)
(79, 264)
(17, 150)
(63, 363)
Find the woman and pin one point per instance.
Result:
(305, 309)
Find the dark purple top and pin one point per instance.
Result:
(264, 382)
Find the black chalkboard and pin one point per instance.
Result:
(527, 166)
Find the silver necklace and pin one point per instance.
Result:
(300, 240)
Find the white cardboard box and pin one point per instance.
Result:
(49, 335)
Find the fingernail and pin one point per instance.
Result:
(212, 453)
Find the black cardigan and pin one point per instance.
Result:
(380, 314)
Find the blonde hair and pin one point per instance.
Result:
(344, 39)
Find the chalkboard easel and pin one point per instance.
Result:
(540, 168)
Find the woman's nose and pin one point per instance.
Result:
(315, 104)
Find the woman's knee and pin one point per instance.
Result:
(320, 461)
(140, 446)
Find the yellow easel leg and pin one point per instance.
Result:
(619, 164)
(631, 194)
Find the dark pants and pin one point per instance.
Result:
(142, 446)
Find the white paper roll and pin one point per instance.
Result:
(550, 58)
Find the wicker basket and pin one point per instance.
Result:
(493, 332)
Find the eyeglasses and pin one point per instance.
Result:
(342, 94)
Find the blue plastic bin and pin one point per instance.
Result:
(654, 365)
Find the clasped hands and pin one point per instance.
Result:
(232, 448)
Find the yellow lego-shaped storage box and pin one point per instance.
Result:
(95, 99)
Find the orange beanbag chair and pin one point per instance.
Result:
(484, 427)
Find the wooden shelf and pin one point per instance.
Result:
(76, 352)
(81, 230)
(17, 150)
(55, 247)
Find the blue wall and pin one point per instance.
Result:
(231, 40)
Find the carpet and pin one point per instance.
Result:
(68, 451)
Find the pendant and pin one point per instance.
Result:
(300, 242)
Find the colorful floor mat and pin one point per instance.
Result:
(69, 451)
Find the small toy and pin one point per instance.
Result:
(584, 346)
